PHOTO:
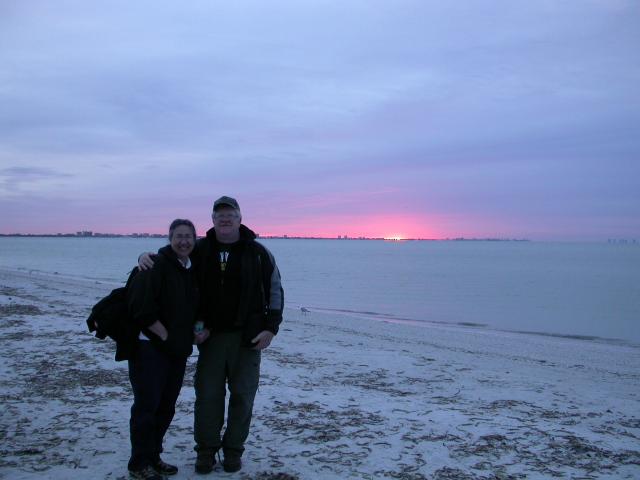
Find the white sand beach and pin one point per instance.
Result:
(340, 397)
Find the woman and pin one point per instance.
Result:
(163, 303)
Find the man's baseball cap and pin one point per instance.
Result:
(225, 201)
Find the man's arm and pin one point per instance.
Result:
(276, 306)
(276, 296)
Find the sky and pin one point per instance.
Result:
(412, 119)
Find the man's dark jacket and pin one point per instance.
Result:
(261, 295)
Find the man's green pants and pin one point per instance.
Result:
(225, 361)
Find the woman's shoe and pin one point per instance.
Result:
(146, 473)
(164, 468)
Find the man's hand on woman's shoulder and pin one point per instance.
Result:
(145, 262)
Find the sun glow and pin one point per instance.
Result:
(393, 228)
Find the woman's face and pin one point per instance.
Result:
(182, 241)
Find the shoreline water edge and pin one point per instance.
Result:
(584, 291)
(341, 397)
(371, 316)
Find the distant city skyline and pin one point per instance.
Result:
(90, 234)
(408, 119)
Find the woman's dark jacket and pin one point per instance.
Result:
(261, 297)
(168, 293)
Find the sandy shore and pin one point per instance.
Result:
(340, 397)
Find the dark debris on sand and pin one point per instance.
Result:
(19, 309)
(270, 476)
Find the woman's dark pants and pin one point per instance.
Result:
(156, 379)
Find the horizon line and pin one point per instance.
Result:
(90, 234)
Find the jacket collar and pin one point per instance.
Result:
(246, 234)
(170, 255)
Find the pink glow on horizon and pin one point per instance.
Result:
(369, 226)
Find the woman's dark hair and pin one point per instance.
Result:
(181, 221)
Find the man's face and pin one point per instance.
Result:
(226, 220)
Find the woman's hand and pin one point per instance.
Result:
(160, 330)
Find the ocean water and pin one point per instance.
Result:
(575, 289)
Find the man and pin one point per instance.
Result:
(241, 304)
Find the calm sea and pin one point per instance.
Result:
(581, 289)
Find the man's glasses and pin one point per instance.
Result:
(225, 216)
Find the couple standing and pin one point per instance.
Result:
(223, 293)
